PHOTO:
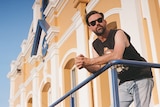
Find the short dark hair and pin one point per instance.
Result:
(91, 13)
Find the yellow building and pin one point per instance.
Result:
(44, 69)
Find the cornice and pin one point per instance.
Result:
(55, 5)
(51, 7)
(15, 65)
(35, 58)
(51, 33)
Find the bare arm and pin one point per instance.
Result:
(121, 42)
(92, 68)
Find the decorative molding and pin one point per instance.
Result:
(23, 45)
(72, 50)
(72, 27)
(61, 6)
(51, 33)
(76, 19)
(112, 11)
(35, 58)
(15, 69)
(77, 2)
(55, 5)
(91, 5)
(27, 44)
(37, 2)
(51, 7)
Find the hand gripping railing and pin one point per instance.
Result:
(114, 79)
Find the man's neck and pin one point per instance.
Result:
(104, 36)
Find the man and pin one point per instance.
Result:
(136, 83)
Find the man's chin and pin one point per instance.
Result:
(99, 33)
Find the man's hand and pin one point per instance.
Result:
(81, 61)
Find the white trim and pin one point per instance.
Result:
(59, 74)
(52, 5)
(146, 14)
(73, 50)
(81, 49)
(91, 5)
(51, 33)
(131, 22)
(112, 11)
(66, 35)
(27, 97)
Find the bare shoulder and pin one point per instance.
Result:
(120, 32)
(121, 36)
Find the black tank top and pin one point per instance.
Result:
(130, 53)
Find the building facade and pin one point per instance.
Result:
(44, 69)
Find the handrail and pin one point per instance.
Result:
(94, 75)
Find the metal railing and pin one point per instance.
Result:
(111, 64)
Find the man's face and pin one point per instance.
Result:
(97, 24)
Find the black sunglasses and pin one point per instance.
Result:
(93, 23)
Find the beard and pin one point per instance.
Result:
(100, 30)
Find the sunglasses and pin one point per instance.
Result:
(93, 23)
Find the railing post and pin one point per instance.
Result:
(115, 92)
(72, 101)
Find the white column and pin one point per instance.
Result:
(23, 93)
(35, 89)
(81, 49)
(12, 88)
(54, 76)
(131, 22)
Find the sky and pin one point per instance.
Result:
(15, 20)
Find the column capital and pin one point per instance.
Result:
(77, 2)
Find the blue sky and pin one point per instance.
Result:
(15, 20)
